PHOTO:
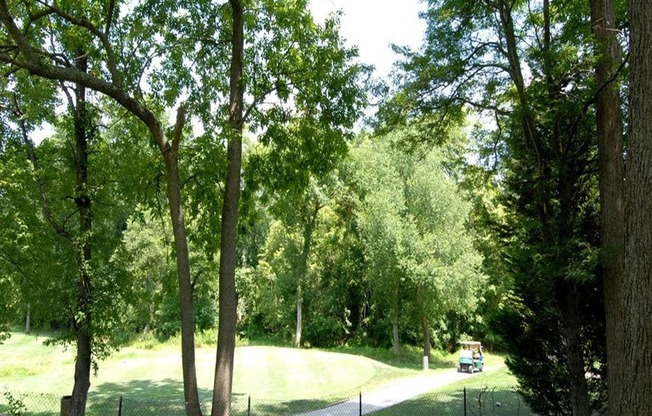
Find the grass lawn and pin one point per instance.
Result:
(486, 393)
(277, 379)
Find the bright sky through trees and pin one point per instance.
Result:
(372, 25)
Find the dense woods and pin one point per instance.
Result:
(169, 168)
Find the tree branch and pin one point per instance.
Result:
(178, 128)
(37, 67)
(102, 36)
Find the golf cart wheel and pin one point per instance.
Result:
(471, 369)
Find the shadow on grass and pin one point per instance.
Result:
(151, 398)
(131, 398)
(269, 408)
(479, 402)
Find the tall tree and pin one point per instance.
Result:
(228, 297)
(637, 280)
(297, 70)
(522, 66)
(413, 220)
(611, 176)
(117, 79)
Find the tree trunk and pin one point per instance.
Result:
(28, 320)
(223, 383)
(83, 249)
(395, 340)
(191, 395)
(611, 180)
(637, 278)
(425, 328)
(297, 335)
(568, 297)
(310, 220)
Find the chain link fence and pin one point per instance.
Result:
(471, 402)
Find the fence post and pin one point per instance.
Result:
(66, 402)
(464, 400)
(360, 403)
(120, 406)
(249, 405)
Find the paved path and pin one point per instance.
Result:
(392, 393)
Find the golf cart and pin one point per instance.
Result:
(471, 358)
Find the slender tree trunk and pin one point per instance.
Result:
(302, 272)
(395, 339)
(190, 392)
(611, 179)
(637, 278)
(228, 298)
(297, 334)
(425, 328)
(83, 249)
(28, 320)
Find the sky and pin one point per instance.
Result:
(373, 25)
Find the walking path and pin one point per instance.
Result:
(392, 393)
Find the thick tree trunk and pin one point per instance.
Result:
(637, 278)
(223, 383)
(611, 179)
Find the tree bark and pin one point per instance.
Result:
(83, 248)
(637, 278)
(310, 219)
(299, 326)
(395, 338)
(425, 328)
(568, 297)
(171, 159)
(223, 383)
(611, 181)
(28, 319)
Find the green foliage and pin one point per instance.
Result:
(524, 70)
(413, 222)
(16, 406)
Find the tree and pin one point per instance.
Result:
(522, 66)
(611, 177)
(413, 222)
(66, 272)
(637, 278)
(112, 77)
(298, 66)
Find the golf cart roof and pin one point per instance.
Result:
(471, 343)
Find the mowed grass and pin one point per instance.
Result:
(266, 374)
(486, 393)
(277, 380)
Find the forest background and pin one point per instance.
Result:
(206, 170)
